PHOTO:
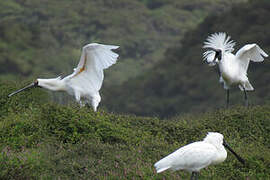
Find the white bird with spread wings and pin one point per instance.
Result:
(232, 68)
(86, 80)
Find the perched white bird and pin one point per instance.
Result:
(86, 80)
(195, 156)
(232, 68)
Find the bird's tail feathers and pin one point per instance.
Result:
(159, 170)
(163, 164)
(248, 87)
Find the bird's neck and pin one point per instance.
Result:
(53, 84)
(221, 155)
(218, 144)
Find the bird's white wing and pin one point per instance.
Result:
(88, 76)
(191, 157)
(250, 52)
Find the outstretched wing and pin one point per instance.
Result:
(250, 52)
(88, 76)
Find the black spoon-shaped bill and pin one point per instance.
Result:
(34, 84)
(234, 153)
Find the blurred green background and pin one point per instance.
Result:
(160, 70)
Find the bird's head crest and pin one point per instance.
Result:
(217, 42)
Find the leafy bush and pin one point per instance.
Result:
(44, 140)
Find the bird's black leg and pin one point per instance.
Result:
(87, 105)
(228, 98)
(218, 70)
(246, 98)
(193, 175)
(196, 175)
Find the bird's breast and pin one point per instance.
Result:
(221, 156)
(231, 70)
(229, 73)
(226, 77)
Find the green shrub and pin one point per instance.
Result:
(45, 140)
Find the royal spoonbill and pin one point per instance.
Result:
(195, 156)
(86, 80)
(232, 68)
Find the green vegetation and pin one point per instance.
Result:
(44, 140)
(182, 83)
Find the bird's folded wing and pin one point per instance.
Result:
(194, 155)
(250, 52)
(197, 155)
(94, 59)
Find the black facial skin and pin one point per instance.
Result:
(234, 153)
(35, 83)
(217, 55)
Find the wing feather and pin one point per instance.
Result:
(193, 156)
(88, 75)
(250, 52)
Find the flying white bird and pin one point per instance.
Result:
(86, 80)
(198, 155)
(232, 68)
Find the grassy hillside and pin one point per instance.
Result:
(44, 38)
(41, 140)
(181, 82)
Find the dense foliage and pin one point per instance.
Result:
(48, 141)
(181, 82)
(43, 140)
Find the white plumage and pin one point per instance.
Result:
(233, 68)
(86, 80)
(195, 156)
(217, 41)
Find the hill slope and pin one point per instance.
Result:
(181, 82)
(48, 141)
(44, 38)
